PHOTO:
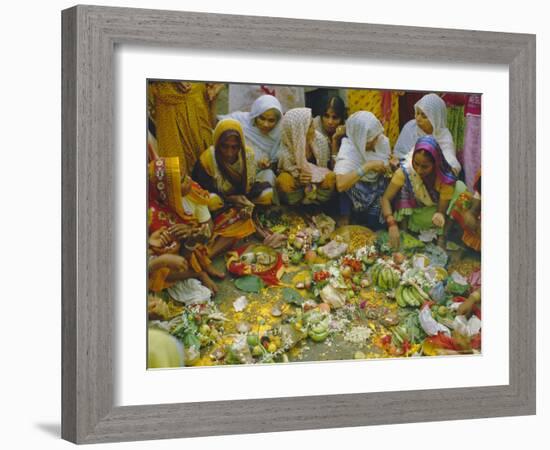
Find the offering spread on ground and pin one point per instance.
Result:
(328, 293)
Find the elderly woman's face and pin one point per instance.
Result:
(267, 121)
(423, 122)
(229, 149)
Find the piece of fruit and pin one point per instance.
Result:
(398, 258)
(310, 256)
(346, 271)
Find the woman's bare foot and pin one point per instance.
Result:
(215, 272)
(208, 282)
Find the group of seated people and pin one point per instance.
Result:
(266, 157)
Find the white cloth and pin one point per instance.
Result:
(436, 111)
(265, 146)
(190, 292)
(200, 212)
(241, 96)
(362, 127)
(292, 158)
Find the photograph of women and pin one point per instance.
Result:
(302, 224)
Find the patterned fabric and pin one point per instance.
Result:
(383, 104)
(295, 125)
(182, 120)
(442, 169)
(415, 193)
(365, 197)
(165, 201)
(456, 123)
(472, 140)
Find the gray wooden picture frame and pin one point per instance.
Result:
(90, 34)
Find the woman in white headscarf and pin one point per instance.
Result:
(430, 119)
(262, 127)
(303, 160)
(361, 165)
(262, 130)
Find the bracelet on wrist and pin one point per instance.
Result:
(360, 172)
(391, 222)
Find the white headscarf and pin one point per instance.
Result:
(362, 127)
(436, 111)
(266, 146)
(295, 125)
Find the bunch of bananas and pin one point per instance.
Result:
(384, 277)
(410, 295)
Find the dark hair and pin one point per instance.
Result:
(427, 154)
(337, 104)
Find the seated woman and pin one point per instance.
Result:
(262, 131)
(228, 169)
(425, 187)
(467, 212)
(303, 161)
(170, 226)
(430, 119)
(331, 123)
(361, 165)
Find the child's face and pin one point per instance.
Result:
(185, 185)
(423, 164)
(330, 121)
(423, 122)
(267, 121)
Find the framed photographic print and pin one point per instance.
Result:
(290, 227)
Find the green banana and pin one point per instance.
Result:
(408, 296)
(399, 297)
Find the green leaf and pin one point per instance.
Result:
(250, 283)
(292, 296)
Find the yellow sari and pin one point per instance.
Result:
(182, 121)
(229, 223)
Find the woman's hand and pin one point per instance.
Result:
(305, 175)
(183, 86)
(240, 200)
(264, 164)
(181, 231)
(275, 240)
(173, 262)
(160, 238)
(438, 220)
(339, 133)
(395, 238)
(394, 163)
(213, 90)
(376, 166)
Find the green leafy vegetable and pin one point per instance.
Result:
(292, 296)
(250, 283)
